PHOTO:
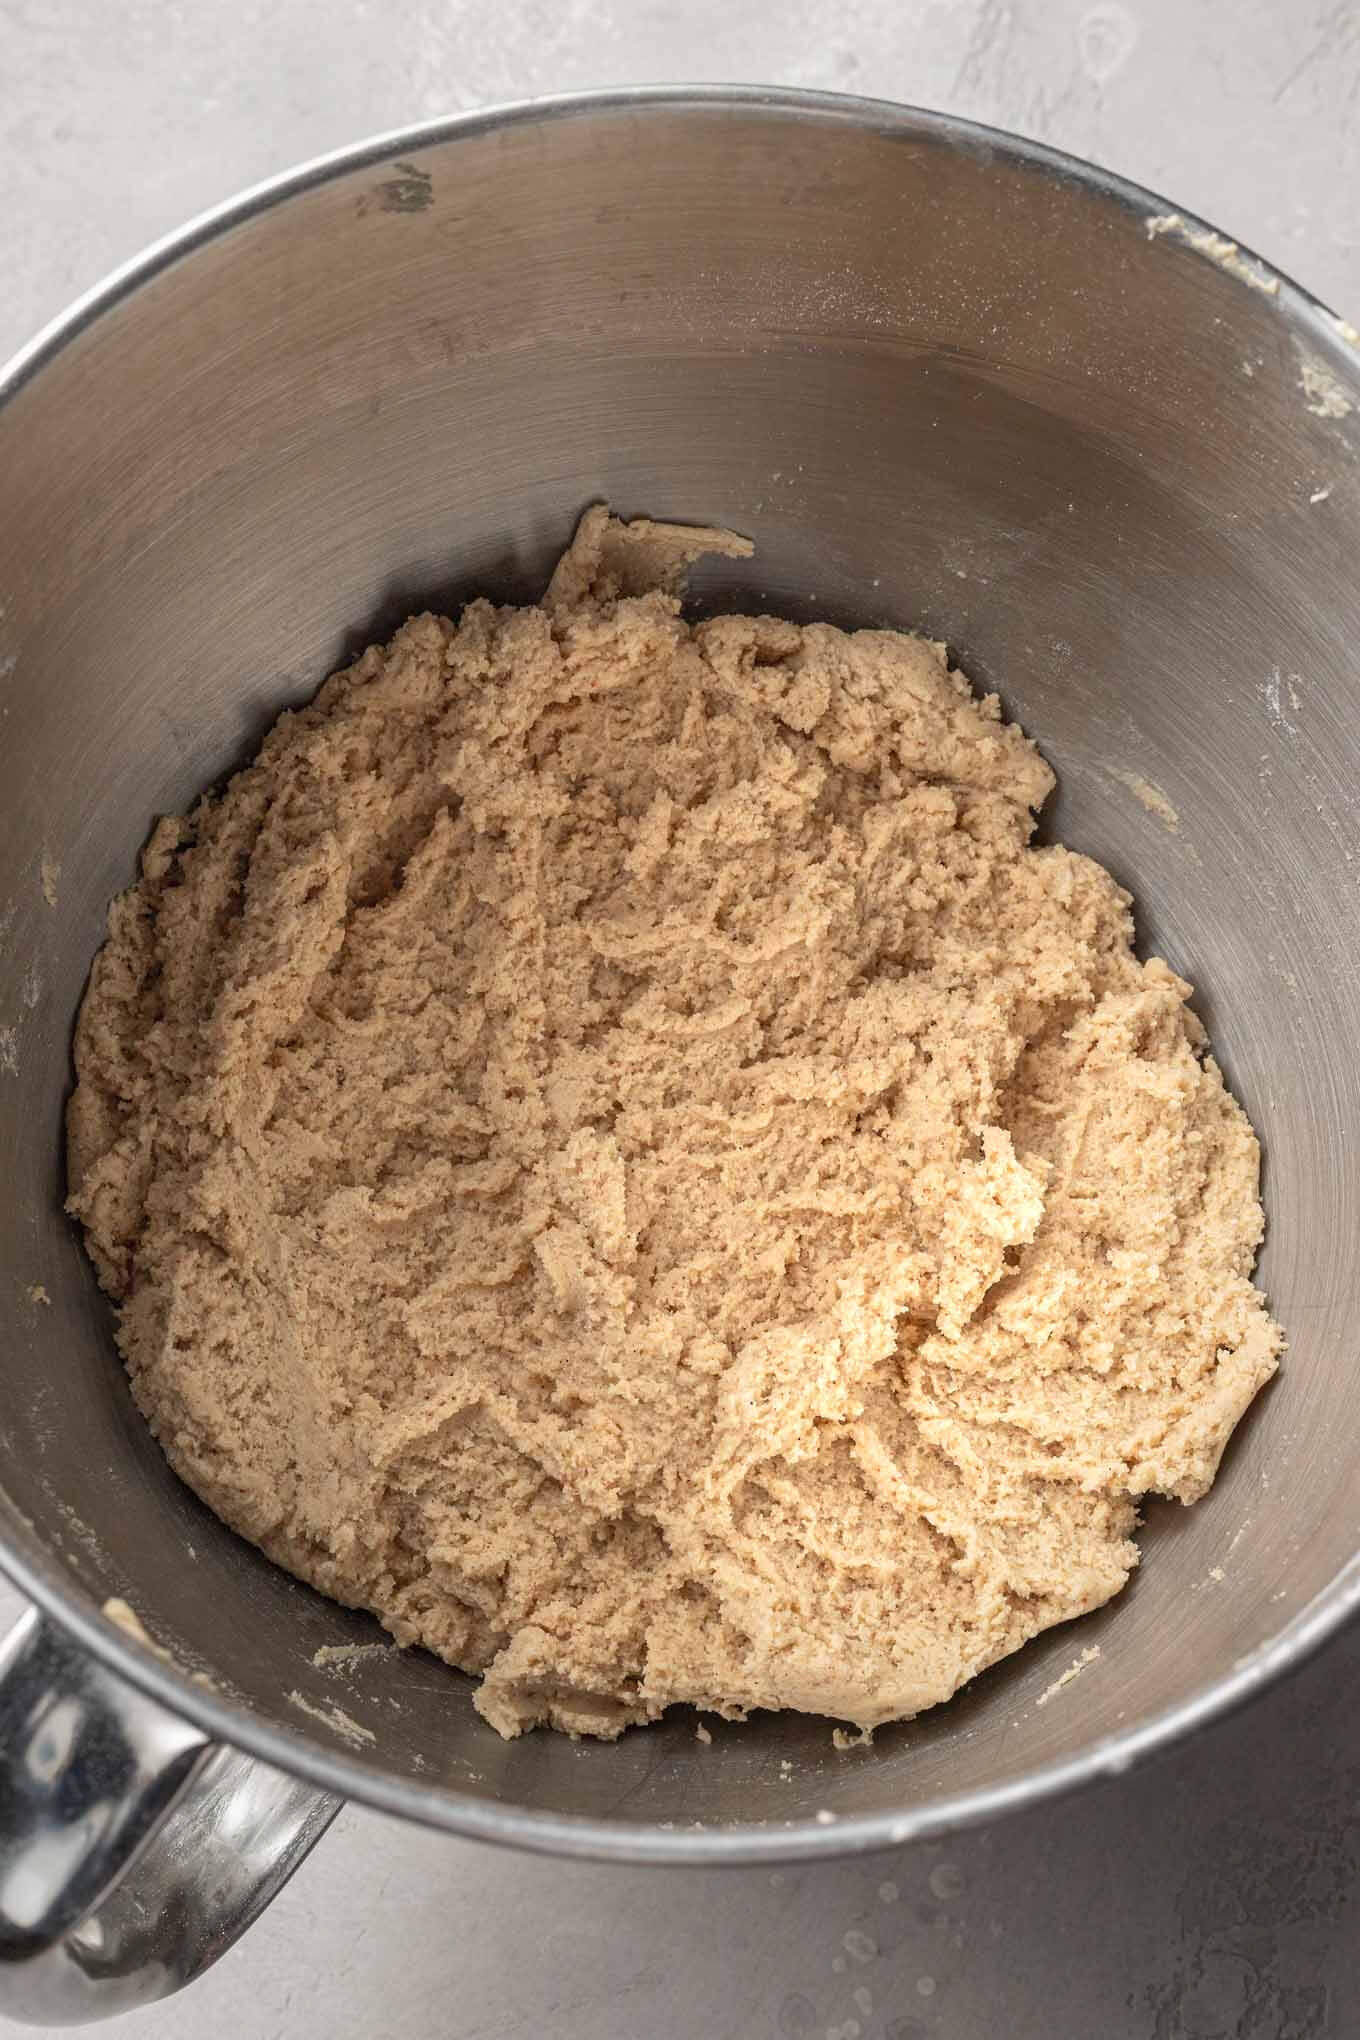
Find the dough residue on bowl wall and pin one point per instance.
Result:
(1216, 248)
(614, 1149)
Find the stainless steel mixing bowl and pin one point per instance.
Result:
(945, 380)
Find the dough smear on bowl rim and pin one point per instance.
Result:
(613, 1149)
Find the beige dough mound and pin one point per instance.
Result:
(612, 1151)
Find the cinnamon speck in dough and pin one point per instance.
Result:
(614, 1150)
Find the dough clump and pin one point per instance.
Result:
(613, 1150)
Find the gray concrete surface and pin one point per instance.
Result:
(1213, 1897)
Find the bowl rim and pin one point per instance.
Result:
(35, 1573)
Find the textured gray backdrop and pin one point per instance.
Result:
(1215, 1896)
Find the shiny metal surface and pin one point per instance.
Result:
(944, 380)
(132, 1851)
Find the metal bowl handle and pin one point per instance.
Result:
(133, 1850)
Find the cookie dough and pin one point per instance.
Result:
(614, 1150)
